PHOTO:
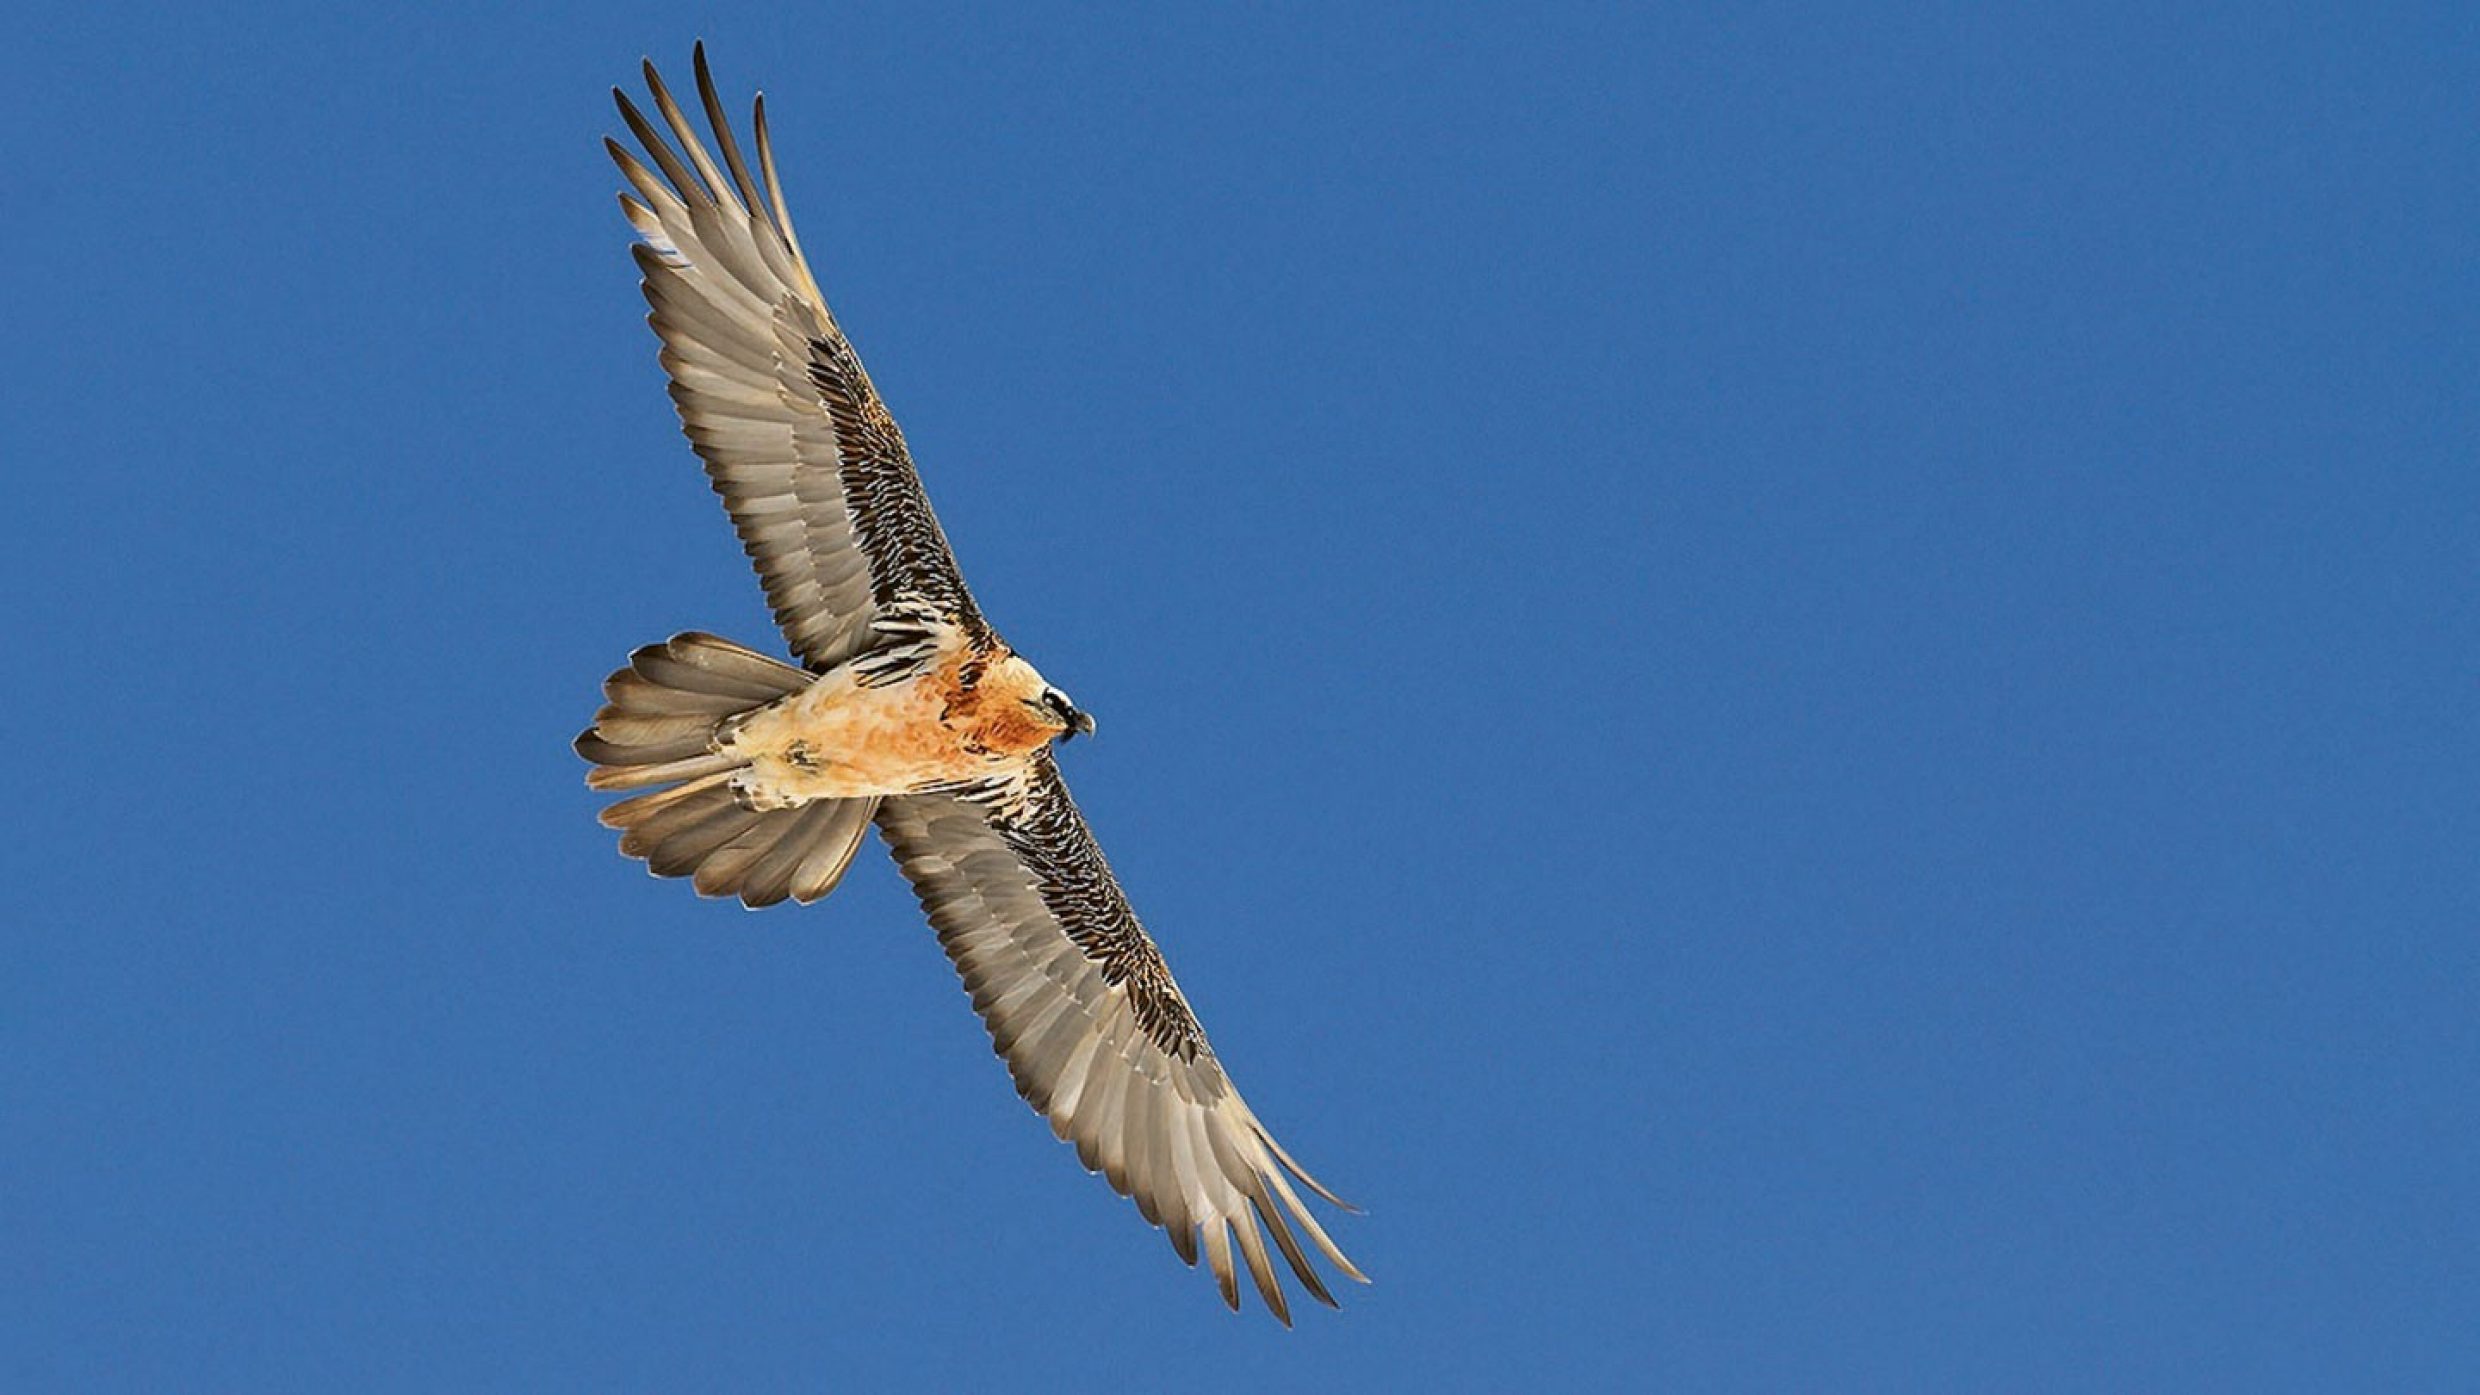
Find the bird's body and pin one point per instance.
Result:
(758, 779)
(956, 720)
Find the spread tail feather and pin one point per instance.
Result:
(657, 729)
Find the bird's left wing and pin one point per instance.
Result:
(1080, 1004)
(811, 466)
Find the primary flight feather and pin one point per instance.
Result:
(758, 779)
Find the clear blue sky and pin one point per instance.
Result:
(1800, 688)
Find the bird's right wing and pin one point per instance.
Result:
(1097, 1035)
(811, 467)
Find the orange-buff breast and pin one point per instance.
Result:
(839, 740)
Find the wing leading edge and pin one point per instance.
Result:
(811, 466)
(1098, 1037)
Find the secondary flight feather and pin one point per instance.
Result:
(759, 779)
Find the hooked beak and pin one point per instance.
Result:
(1079, 721)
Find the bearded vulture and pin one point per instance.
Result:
(757, 778)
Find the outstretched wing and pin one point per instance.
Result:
(810, 465)
(1080, 1004)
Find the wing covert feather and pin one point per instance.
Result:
(811, 466)
(1096, 1033)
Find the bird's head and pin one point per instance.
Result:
(1051, 707)
(1071, 719)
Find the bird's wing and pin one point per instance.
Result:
(810, 465)
(1079, 1003)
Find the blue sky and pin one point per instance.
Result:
(1797, 685)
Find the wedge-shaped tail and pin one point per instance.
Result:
(656, 733)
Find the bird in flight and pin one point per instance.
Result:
(758, 779)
